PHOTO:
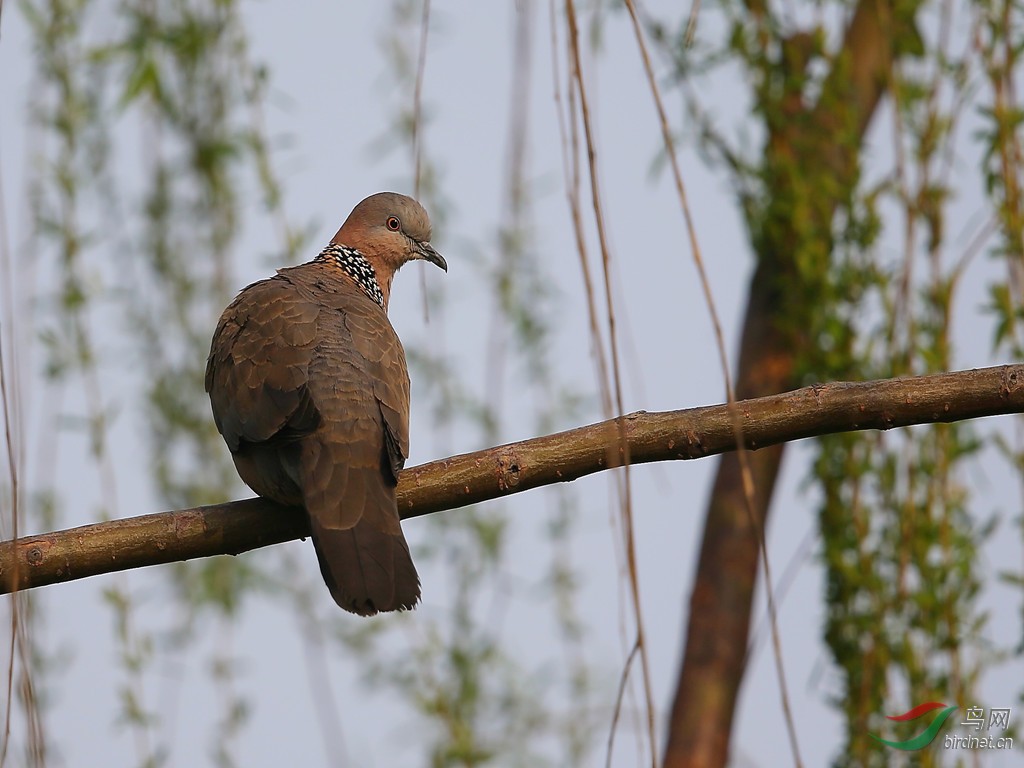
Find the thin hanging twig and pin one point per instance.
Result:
(417, 134)
(627, 501)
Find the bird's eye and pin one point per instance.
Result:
(394, 224)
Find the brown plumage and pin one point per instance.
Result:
(310, 390)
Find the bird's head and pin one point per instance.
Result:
(389, 229)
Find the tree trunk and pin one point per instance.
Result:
(716, 639)
(811, 167)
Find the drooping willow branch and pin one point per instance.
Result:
(238, 526)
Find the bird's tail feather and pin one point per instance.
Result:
(367, 569)
(353, 515)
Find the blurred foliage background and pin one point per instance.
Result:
(147, 144)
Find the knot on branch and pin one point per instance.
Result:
(509, 468)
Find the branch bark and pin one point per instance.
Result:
(238, 526)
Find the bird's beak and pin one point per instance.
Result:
(427, 253)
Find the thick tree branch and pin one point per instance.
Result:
(238, 526)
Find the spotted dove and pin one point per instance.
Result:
(310, 390)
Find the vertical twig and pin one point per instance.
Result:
(417, 134)
(627, 508)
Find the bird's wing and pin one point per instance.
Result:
(348, 468)
(258, 368)
(360, 385)
(376, 342)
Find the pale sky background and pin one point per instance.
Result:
(330, 97)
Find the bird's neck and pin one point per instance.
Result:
(359, 269)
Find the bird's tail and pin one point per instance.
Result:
(353, 515)
(368, 569)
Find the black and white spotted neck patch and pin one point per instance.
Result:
(355, 265)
